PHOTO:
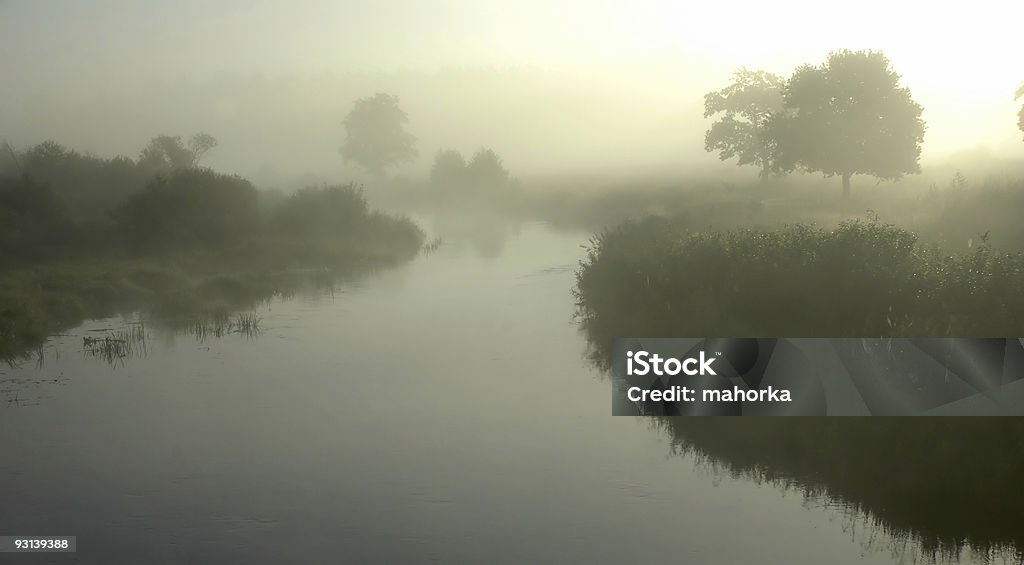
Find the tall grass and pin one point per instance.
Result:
(863, 279)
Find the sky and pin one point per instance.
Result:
(961, 60)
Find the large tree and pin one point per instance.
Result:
(745, 107)
(375, 135)
(848, 116)
(1020, 115)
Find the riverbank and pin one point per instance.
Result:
(654, 277)
(39, 300)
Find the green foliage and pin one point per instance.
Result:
(165, 153)
(848, 116)
(189, 207)
(91, 186)
(335, 221)
(222, 248)
(328, 211)
(745, 107)
(375, 134)
(34, 222)
(863, 279)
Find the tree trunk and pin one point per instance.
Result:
(846, 185)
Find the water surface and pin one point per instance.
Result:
(442, 411)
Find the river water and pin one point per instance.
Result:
(441, 411)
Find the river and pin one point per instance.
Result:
(442, 411)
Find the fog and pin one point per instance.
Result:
(567, 87)
(335, 281)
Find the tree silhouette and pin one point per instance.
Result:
(486, 169)
(848, 116)
(375, 135)
(167, 153)
(200, 144)
(449, 169)
(164, 153)
(746, 106)
(1020, 115)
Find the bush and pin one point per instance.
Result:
(190, 207)
(92, 186)
(322, 212)
(33, 221)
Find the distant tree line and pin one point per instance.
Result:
(485, 171)
(377, 139)
(56, 203)
(91, 186)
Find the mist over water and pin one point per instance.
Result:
(393, 420)
(337, 281)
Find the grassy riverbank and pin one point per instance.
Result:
(43, 299)
(863, 279)
(177, 253)
(946, 485)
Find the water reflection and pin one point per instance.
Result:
(950, 487)
(485, 231)
(115, 347)
(234, 449)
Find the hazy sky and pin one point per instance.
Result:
(961, 60)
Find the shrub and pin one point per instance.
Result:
(33, 221)
(190, 207)
(322, 212)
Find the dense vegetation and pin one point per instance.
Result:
(82, 236)
(654, 277)
(945, 484)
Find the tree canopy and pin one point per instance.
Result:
(449, 169)
(375, 134)
(190, 207)
(1020, 115)
(848, 116)
(486, 169)
(745, 106)
(167, 153)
